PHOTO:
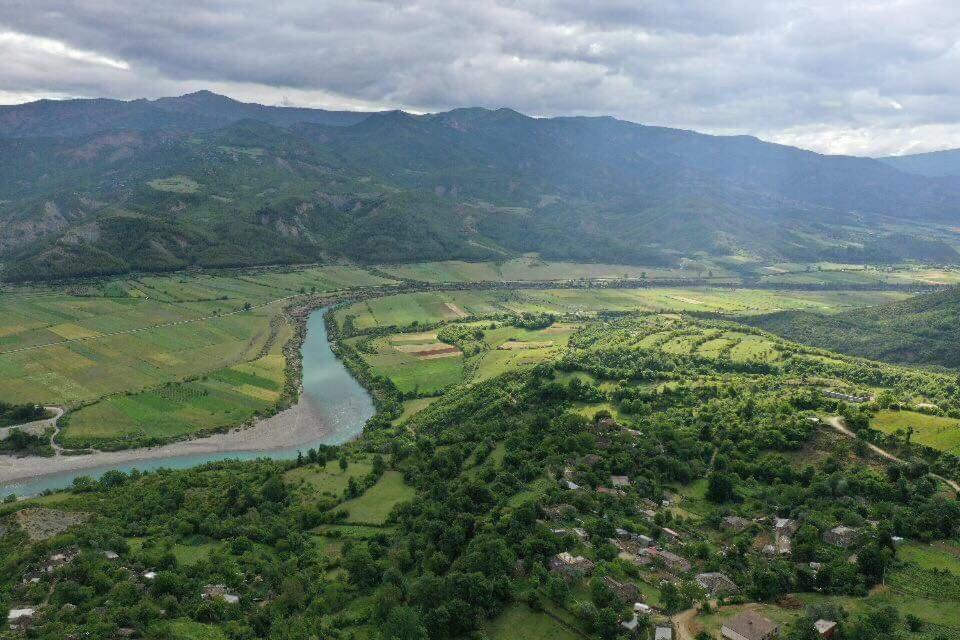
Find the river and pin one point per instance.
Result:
(332, 409)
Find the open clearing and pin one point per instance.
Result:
(375, 504)
(175, 184)
(935, 432)
(519, 621)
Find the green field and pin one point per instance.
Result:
(519, 622)
(535, 269)
(426, 308)
(375, 504)
(312, 480)
(221, 399)
(933, 431)
(80, 343)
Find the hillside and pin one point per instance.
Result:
(933, 164)
(542, 503)
(921, 330)
(204, 180)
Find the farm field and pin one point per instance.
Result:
(427, 366)
(937, 432)
(220, 399)
(426, 308)
(82, 342)
(527, 268)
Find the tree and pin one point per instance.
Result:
(344, 463)
(403, 623)
(720, 487)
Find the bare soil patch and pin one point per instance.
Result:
(40, 523)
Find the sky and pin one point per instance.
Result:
(858, 77)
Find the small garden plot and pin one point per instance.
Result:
(511, 345)
(754, 348)
(174, 184)
(936, 432)
(373, 507)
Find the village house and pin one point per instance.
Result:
(841, 536)
(590, 459)
(825, 628)
(111, 555)
(620, 481)
(570, 566)
(785, 526)
(20, 619)
(670, 533)
(735, 524)
(625, 591)
(749, 625)
(784, 545)
(836, 395)
(149, 575)
(717, 584)
(570, 484)
(219, 591)
(670, 560)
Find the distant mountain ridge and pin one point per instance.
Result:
(205, 180)
(199, 111)
(936, 164)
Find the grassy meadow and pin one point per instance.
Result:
(936, 432)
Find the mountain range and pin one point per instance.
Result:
(90, 187)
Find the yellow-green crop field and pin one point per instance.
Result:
(65, 346)
(402, 310)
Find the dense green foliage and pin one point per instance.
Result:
(921, 330)
(11, 414)
(487, 464)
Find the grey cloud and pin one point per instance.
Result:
(866, 77)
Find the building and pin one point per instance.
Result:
(670, 533)
(836, 395)
(784, 545)
(734, 524)
(841, 536)
(670, 560)
(219, 591)
(749, 625)
(570, 484)
(20, 619)
(825, 628)
(625, 591)
(663, 633)
(785, 526)
(717, 584)
(571, 566)
(620, 481)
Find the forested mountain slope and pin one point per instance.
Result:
(203, 180)
(921, 330)
(933, 164)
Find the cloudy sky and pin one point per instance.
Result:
(862, 77)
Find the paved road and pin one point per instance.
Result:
(837, 423)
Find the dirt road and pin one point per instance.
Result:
(840, 426)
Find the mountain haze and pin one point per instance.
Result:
(102, 186)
